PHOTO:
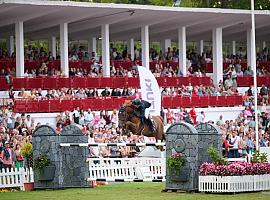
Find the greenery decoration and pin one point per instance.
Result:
(41, 162)
(27, 150)
(176, 161)
(258, 157)
(216, 158)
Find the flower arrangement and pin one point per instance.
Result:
(176, 161)
(41, 162)
(234, 169)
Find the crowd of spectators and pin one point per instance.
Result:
(196, 63)
(102, 127)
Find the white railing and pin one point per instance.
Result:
(231, 184)
(16, 177)
(127, 168)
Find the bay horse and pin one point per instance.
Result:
(129, 121)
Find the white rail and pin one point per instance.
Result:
(127, 168)
(16, 177)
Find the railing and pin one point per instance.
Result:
(110, 103)
(246, 81)
(55, 64)
(96, 82)
(16, 177)
(127, 168)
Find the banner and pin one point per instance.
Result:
(150, 91)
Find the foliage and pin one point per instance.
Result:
(216, 158)
(176, 161)
(27, 150)
(231, 4)
(234, 169)
(41, 162)
(258, 157)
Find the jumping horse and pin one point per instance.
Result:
(129, 121)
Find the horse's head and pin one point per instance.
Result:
(125, 114)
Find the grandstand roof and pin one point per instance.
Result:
(42, 19)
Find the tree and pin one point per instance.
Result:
(231, 4)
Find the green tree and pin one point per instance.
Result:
(231, 4)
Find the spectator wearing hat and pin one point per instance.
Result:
(7, 156)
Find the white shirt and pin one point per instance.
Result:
(201, 118)
(89, 117)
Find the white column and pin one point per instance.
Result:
(234, 47)
(131, 48)
(19, 49)
(52, 46)
(263, 45)
(217, 56)
(168, 43)
(251, 60)
(64, 48)
(182, 50)
(145, 46)
(105, 49)
(200, 47)
(92, 45)
(11, 45)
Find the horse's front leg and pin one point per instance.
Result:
(132, 127)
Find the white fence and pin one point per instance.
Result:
(127, 168)
(218, 184)
(16, 177)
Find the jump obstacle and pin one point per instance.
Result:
(111, 144)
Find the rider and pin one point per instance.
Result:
(141, 105)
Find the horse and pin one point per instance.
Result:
(129, 121)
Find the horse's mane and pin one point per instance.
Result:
(127, 103)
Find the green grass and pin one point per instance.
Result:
(126, 191)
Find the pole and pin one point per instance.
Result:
(253, 54)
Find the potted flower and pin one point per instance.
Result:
(27, 153)
(175, 164)
(45, 170)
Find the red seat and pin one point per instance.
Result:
(20, 105)
(195, 101)
(230, 100)
(106, 82)
(238, 100)
(99, 104)
(66, 104)
(195, 81)
(34, 83)
(118, 102)
(133, 82)
(183, 81)
(88, 104)
(162, 82)
(204, 101)
(3, 84)
(119, 82)
(44, 106)
(50, 83)
(177, 102)
(32, 106)
(166, 102)
(55, 105)
(78, 82)
(205, 80)
(171, 81)
(244, 81)
(213, 100)
(108, 103)
(19, 83)
(186, 102)
(222, 101)
(77, 103)
(92, 82)
(64, 83)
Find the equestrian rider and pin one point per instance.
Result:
(141, 105)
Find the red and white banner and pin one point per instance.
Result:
(150, 91)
